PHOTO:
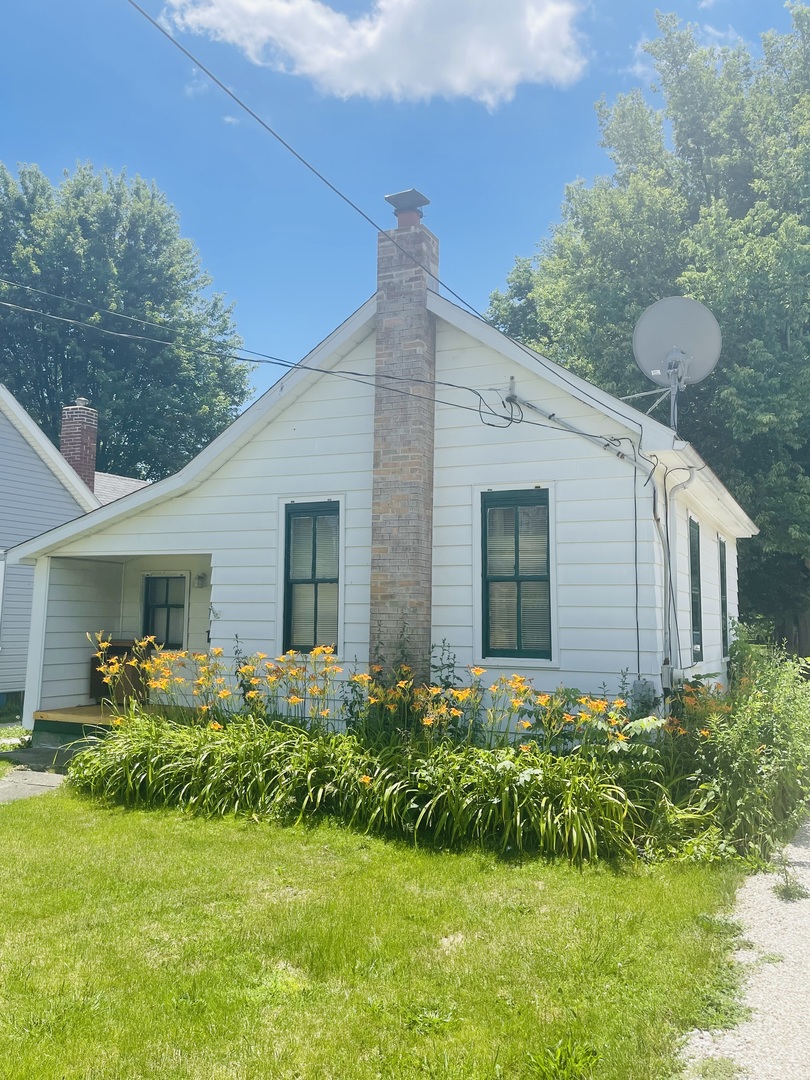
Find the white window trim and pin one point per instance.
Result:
(690, 650)
(722, 543)
(186, 611)
(281, 539)
(477, 583)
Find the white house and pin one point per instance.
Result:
(40, 488)
(418, 477)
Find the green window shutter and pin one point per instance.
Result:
(312, 537)
(723, 595)
(516, 583)
(695, 586)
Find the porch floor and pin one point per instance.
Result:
(77, 714)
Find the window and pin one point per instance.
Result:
(723, 595)
(694, 584)
(311, 576)
(516, 581)
(164, 609)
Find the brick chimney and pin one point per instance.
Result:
(79, 438)
(402, 493)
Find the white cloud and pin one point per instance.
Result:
(401, 49)
(642, 67)
(197, 84)
(711, 35)
(706, 3)
(231, 120)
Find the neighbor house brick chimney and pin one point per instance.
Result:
(402, 493)
(79, 438)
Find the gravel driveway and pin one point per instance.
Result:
(774, 1044)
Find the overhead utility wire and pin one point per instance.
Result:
(361, 377)
(349, 202)
(266, 358)
(287, 146)
(260, 357)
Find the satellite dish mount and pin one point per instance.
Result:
(676, 343)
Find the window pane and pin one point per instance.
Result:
(500, 540)
(176, 589)
(533, 539)
(327, 614)
(326, 548)
(174, 637)
(694, 570)
(300, 547)
(503, 615)
(723, 597)
(535, 616)
(302, 621)
(155, 590)
(159, 625)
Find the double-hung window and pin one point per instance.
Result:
(164, 609)
(516, 578)
(695, 588)
(311, 575)
(723, 595)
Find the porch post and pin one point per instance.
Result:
(36, 640)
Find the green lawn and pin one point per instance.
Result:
(154, 944)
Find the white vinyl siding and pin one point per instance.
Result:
(32, 500)
(84, 596)
(592, 528)
(606, 568)
(320, 447)
(711, 661)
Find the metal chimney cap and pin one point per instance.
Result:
(411, 199)
(82, 402)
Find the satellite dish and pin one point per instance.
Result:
(676, 343)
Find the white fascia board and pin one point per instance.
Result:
(322, 358)
(655, 437)
(709, 491)
(46, 451)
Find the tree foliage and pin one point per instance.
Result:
(709, 198)
(115, 243)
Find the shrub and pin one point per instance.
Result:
(519, 799)
(503, 765)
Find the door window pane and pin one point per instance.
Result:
(164, 614)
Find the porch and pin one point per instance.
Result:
(123, 597)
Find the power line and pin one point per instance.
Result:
(482, 408)
(350, 202)
(291, 149)
(354, 376)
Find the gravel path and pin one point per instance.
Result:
(774, 1044)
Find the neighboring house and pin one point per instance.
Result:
(528, 519)
(40, 489)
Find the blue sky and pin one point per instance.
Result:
(455, 97)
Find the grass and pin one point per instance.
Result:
(161, 945)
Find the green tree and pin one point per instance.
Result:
(115, 243)
(709, 198)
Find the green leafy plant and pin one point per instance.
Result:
(567, 1060)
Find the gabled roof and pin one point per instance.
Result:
(108, 487)
(655, 437)
(46, 451)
